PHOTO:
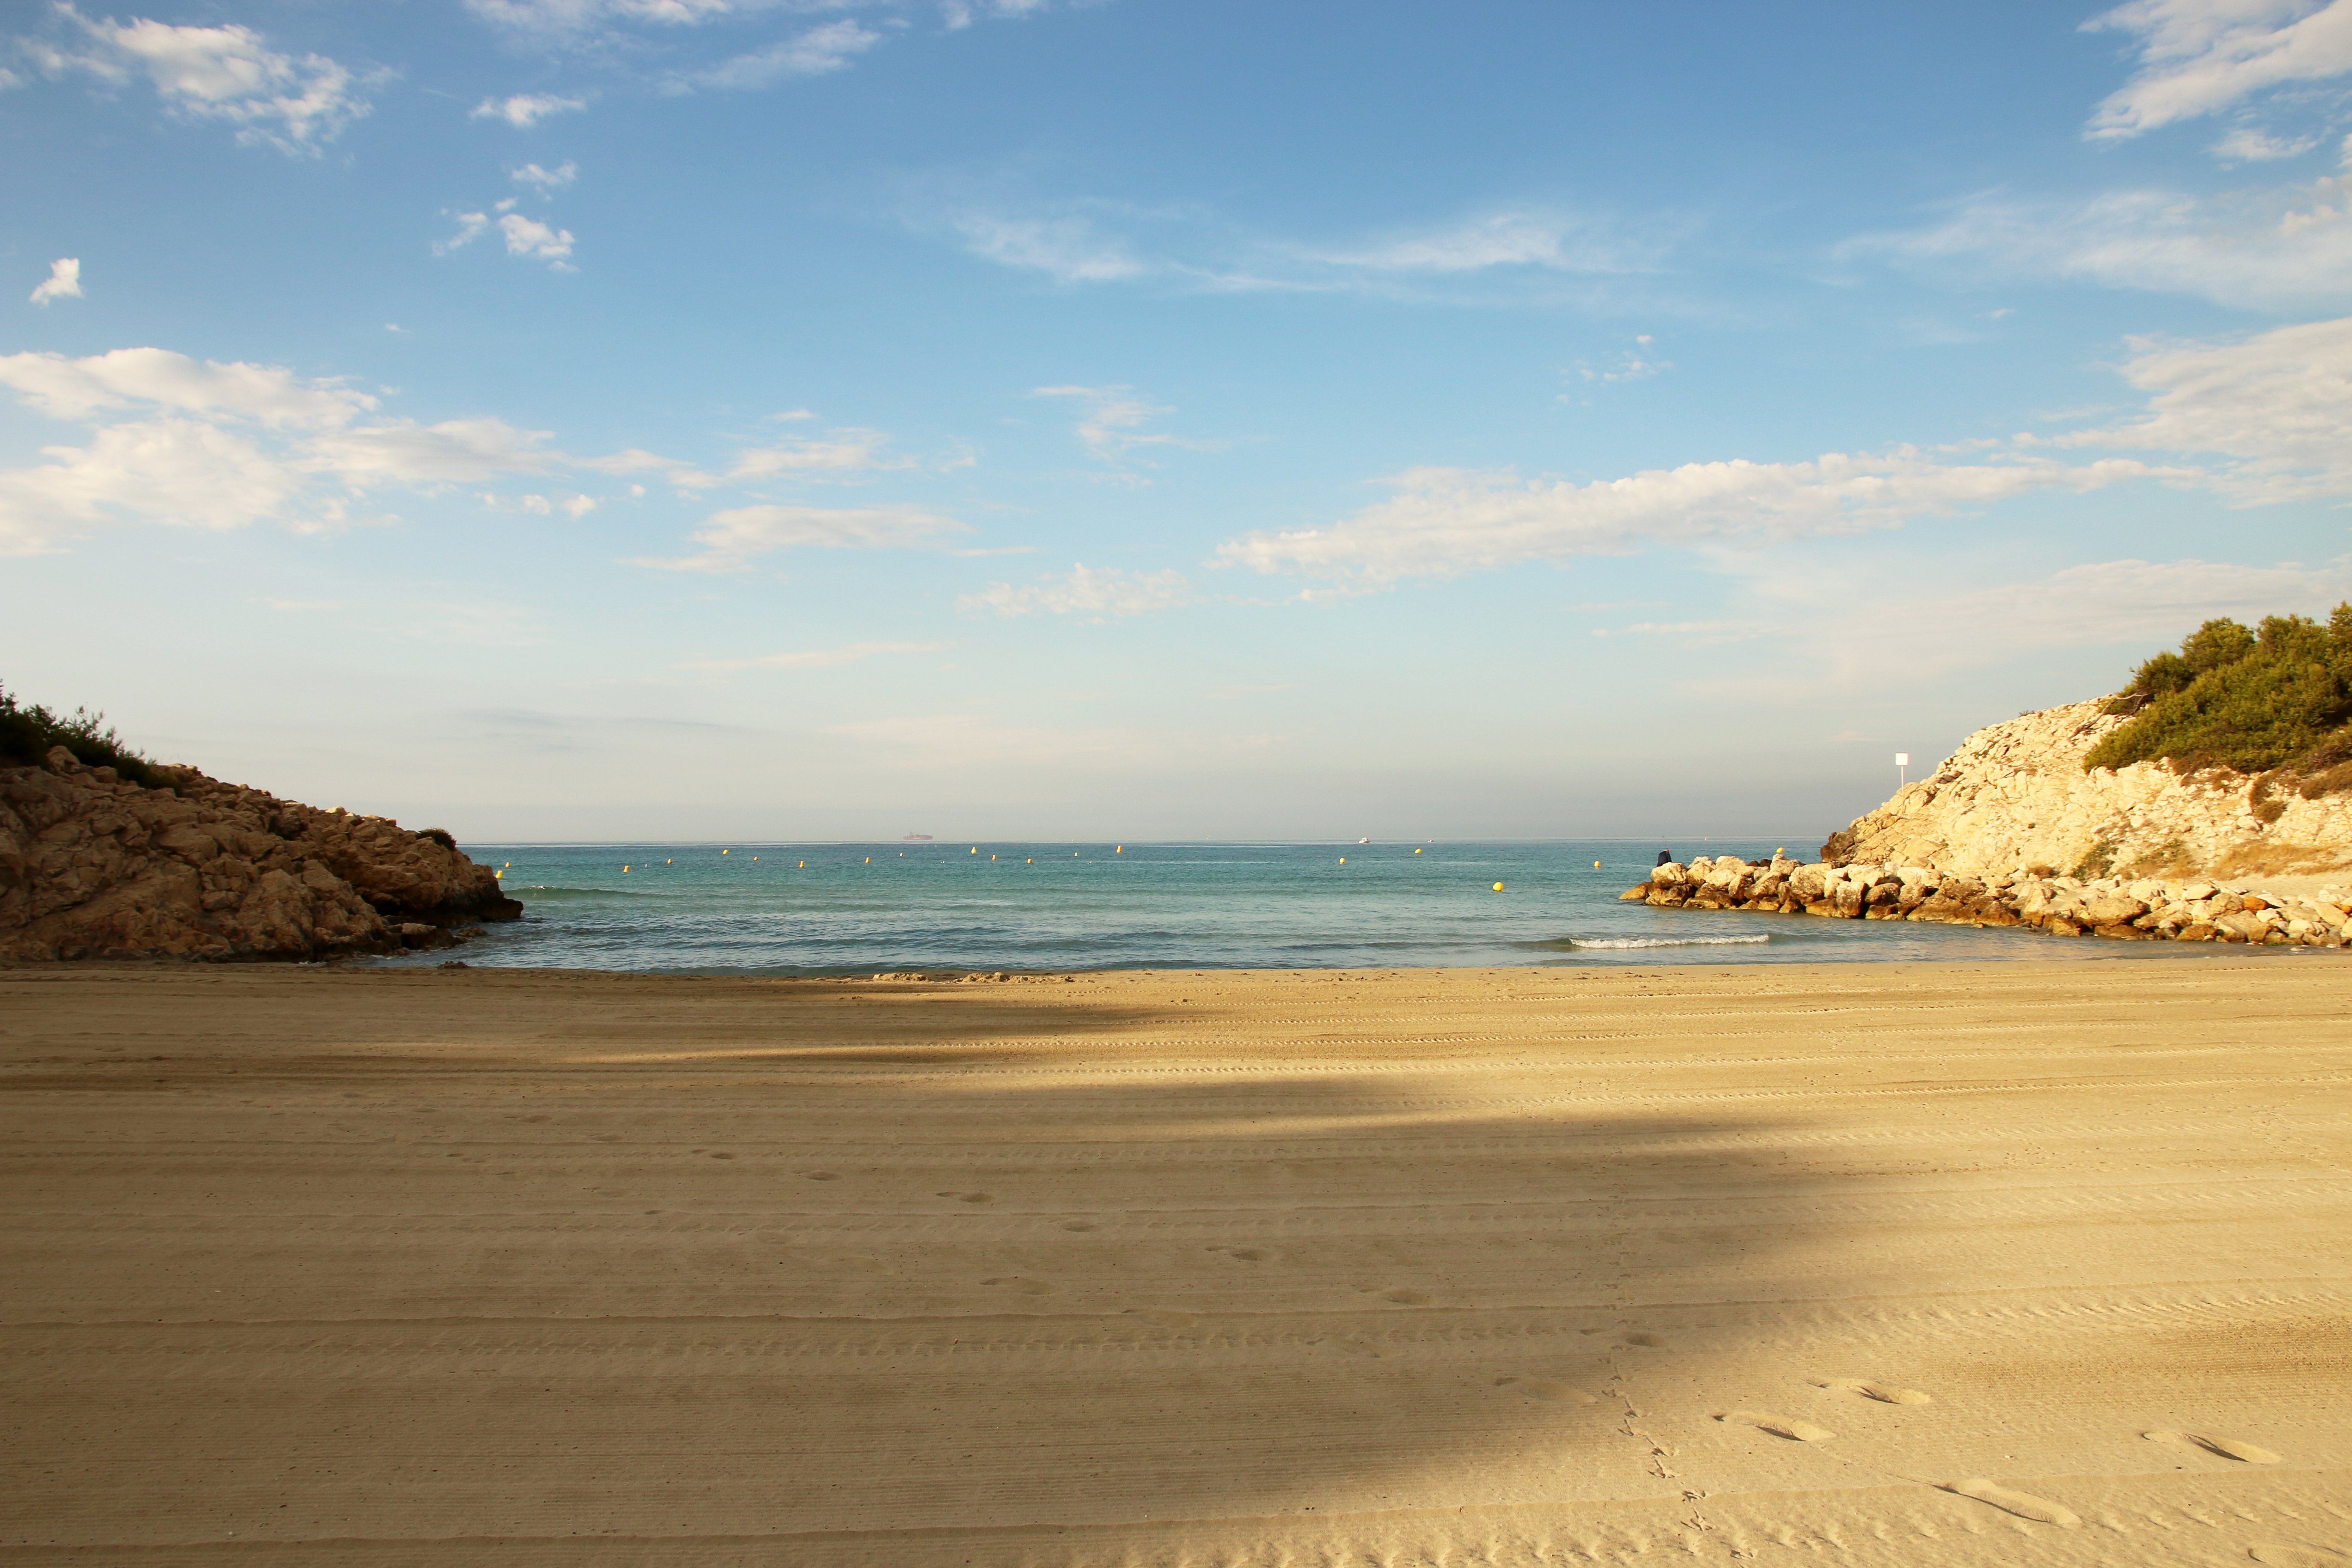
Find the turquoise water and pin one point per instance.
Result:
(858, 908)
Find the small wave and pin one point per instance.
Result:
(1622, 942)
(552, 895)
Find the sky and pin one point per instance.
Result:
(711, 419)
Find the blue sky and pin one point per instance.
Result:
(731, 418)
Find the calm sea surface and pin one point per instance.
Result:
(852, 909)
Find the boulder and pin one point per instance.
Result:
(94, 867)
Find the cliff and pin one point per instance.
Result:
(2015, 796)
(92, 866)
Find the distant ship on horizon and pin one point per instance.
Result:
(916, 838)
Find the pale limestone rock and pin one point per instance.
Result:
(2015, 795)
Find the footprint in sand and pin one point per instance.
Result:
(2228, 1447)
(820, 1175)
(1241, 1254)
(968, 1197)
(1405, 1297)
(2297, 1556)
(1545, 1388)
(1647, 1342)
(1026, 1286)
(1078, 1225)
(1778, 1425)
(2025, 1506)
(1884, 1393)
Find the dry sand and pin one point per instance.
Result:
(1872, 1264)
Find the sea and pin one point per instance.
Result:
(835, 908)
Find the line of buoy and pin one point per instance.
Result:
(1498, 886)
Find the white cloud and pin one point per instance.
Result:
(454, 451)
(525, 110)
(2199, 55)
(1546, 239)
(819, 659)
(529, 237)
(64, 281)
(1098, 594)
(1068, 249)
(524, 237)
(559, 16)
(819, 50)
(224, 73)
(848, 450)
(2246, 144)
(1445, 521)
(264, 394)
(180, 472)
(1636, 364)
(545, 181)
(2279, 404)
(733, 538)
(1112, 422)
(2281, 247)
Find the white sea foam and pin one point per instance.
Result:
(1615, 941)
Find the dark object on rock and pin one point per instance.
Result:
(454, 963)
(1665, 858)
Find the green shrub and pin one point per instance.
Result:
(27, 733)
(2276, 697)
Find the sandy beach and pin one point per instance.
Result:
(1869, 1263)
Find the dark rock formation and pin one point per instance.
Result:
(92, 866)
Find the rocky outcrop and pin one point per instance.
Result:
(92, 866)
(2015, 796)
(2137, 908)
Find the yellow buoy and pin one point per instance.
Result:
(1498, 886)
(975, 849)
(666, 862)
(1596, 865)
(1121, 850)
(869, 859)
(1031, 861)
(1343, 859)
(624, 870)
(804, 863)
(511, 865)
(501, 873)
(727, 851)
(1416, 851)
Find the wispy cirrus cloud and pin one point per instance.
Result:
(1443, 522)
(227, 74)
(732, 539)
(525, 110)
(2276, 247)
(2198, 57)
(1112, 420)
(693, 46)
(2277, 405)
(1095, 242)
(1089, 593)
(2272, 406)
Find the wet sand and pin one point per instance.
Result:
(1873, 1264)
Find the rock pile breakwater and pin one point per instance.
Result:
(93, 866)
(2138, 910)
